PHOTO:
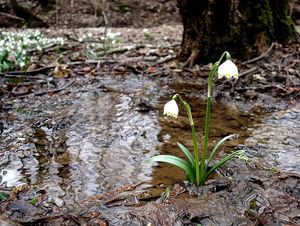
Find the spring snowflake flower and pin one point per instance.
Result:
(228, 69)
(171, 109)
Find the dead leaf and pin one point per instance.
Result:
(61, 71)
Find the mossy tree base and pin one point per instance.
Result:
(30, 19)
(245, 28)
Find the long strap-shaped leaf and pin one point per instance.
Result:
(216, 148)
(187, 154)
(222, 161)
(181, 163)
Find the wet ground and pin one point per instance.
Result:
(78, 155)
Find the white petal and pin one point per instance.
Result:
(228, 69)
(171, 109)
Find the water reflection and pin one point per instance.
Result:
(274, 143)
(88, 142)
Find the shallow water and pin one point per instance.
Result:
(100, 135)
(274, 143)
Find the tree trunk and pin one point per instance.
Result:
(46, 4)
(30, 19)
(245, 28)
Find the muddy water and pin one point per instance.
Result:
(99, 135)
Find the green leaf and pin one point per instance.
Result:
(188, 169)
(34, 201)
(3, 196)
(222, 161)
(187, 154)
(216, 148)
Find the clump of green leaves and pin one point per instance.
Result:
(16, 46)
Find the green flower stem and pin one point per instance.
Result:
(195, 143)
(208, 113)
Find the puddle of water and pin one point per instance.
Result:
(92, 140)
(274, 143)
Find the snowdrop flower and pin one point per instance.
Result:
(90, 35)
(80, 40)
(22, 64)
(228, 69)
(171, 109)
(110, 35)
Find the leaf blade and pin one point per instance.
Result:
(181, 163)
(187, 154)
(223, 161)
(216, 148)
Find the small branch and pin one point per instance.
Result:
(261, 56)
(71, 83)
(11, 16)
(96, 62)
(248, 71)
(166, 59)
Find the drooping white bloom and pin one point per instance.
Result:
(228, 69)
(171, 109)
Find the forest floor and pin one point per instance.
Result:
(80, 13)
(270, 83)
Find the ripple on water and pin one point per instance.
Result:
(88, 142)
(276, 141)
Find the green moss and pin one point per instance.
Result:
(263, 19)
(284, 27)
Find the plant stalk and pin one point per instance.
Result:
(207, 115)
(195, 143)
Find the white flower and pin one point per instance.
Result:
(171, 109)
(22, 64)
(228, 69)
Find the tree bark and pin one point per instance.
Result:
(46, 4)
(30, 19)
(245, 28)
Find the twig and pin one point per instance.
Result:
(261, 56)
(11, 16)
(17, 73)
(96, 62)
(248, 71)
(105, 28)
(166, 59)
(56, 13)
(71, 83)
